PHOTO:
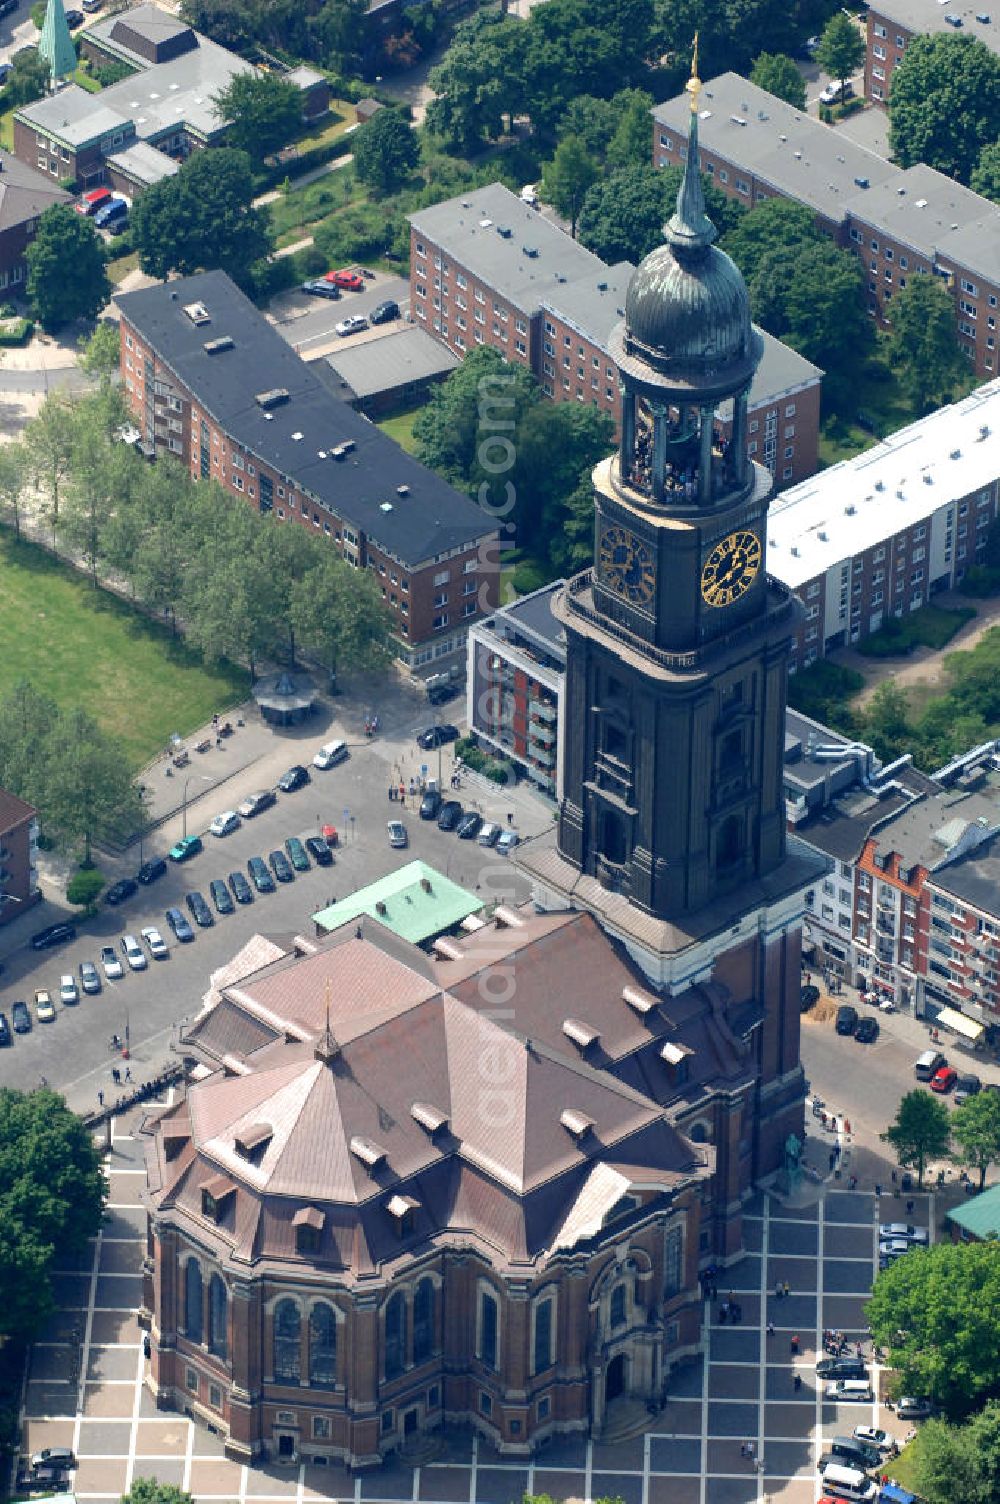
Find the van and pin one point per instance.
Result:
(330, 754)
(928, 1063)
(850, 1390)
(854, 1453)
(848, 1483)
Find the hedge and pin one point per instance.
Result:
(16, 331)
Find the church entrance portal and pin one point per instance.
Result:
(614, 1379)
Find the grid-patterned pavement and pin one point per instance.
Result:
(85, 1386)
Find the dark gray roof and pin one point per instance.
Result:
(840, 828)
(978, 20)
(936, 217)
(974, 878)
(533, 613)
(382, 365)
(24, 193)
(296, 436)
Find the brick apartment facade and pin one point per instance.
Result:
(19, 832)
(24, 197)
(485, 269)
(892, 24)
(436, 576)
(900, 223)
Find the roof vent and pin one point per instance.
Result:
(921, 203)
(956, 454)
(309, 1216)
(602, 287)
(576, 1123)
(216, 346)
(582, 1035)
(984, 433)
(850, 509)
(507, 919)
(823, 535)
(531, 251)
(798, 156)
(640, 1001)
(484, 224)
(380, 907)
(861, 182)
(737, 120)
(425, 883)
(385, 506)
(982, 18)
(341, 451)
(880, 485)
(901, 192)
(673, 1054)
(782, 138)
(505, 232)
(369, 1153)
(269, 417)
(900, 494)
(447, 949)
(928, 479)
(297, 437)
(273, 398)
(401, 1207)
(321, 454)
(794, 550)
(428, 1117)
(402, 490)
(197, 313)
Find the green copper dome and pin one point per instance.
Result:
(687, 306)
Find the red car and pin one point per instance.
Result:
(90, 202)
(352, 281)
(944, 1079)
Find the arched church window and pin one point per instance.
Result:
(618, 1306)
(395, 1335)
(217, 1312)
(322, 1345)
(613, 837)
(423, 1321)
(193, 1310)
(287, 1347)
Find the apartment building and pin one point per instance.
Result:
(892, 25)
(900, 223)
(878, 535)
(515, 686)
(19, 832)
(211, 382)
(24, 197)
(963, 961)
(485, 269)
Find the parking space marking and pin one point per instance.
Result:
(706, 1368)
(820, 1328)
(765, 1248)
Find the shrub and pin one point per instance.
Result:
(494, 768)
(84, 886)
(822, 692)
(15, 331)
(981, 580)
(930, 627)
(528, 576)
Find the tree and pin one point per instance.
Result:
(151, 1491)
(567, 178)
(52, 1194)
(478, 81)
(935, 1310)
(338, 30)
(886, 720)
(573, 547)
(778, 74)
(264, 113)
(89, 792)
(26, 721)
(623, 215)
(202, 218)
(776, 224)
(29, 79)
(385, 151)
(84, 886)
(630, 144)
(472, 417)
(100, 352)
(50, 440)
(986, 177)
(841, 48)
(811, 297)
(595, 121)
(959, 1464)
(975, 1127)
(919, 1131)
(13, 481)
(558, 445)
(924, 349)
(945, 104)
(339, 616)
(64, 239)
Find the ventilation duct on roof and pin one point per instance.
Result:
(273, 398)
(197, 313)
(341, 451)
(216, 346)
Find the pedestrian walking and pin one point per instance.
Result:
(128, 1073)
(787, 1289)
(743, 1448)
(778, 1291)
(116, 1075)
(392, 794)
(878, 1189)
(100, 1099)
(510, 817)
(795, 1346)
(770, 1328)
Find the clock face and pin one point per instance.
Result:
(730, 568)
(627, 566)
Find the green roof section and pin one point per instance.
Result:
(55, 44)
(416, 902)
(979, 1217)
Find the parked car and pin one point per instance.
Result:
(891, 1249)
(90, 6)
(384, 312)
(134, 953)
(319, 851)
(158, 948)
(119, 891)
(255, 804)
(836, 91)
(449, 814)
(113, 968)
(241, 889)
(397, 834)
(841, 1368)
(90, 977)
(489, 835)
(53, 934)
(436, 736)
(469, 826)
(95, 198)
(944, 1078)
(259, 875)
(150, 871)
(966, 1087)
(873, 1437)
(6, 1037)
(867, 1030)
(44, 1010)
(221, 896)
(330, 754)
(186, 848)
(60, 1457)
(177, 922)
(430, 804)
(20, 1017)
(909, 1408)
(904, 1230)
(353, 281)
(296, 778)
(199, 909)
(74, 18)
(440, 694)
(529, 196)
(225, 824)
(320, 288)
(281, 866)
(808, 995)
(114, 210)
(847, 1019)
(69, 992)
(353, 324)
(297, 854)
(506, 841)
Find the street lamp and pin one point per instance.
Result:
(184, 810)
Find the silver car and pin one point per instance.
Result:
(113, 969)
(134, 953)
(157, 945)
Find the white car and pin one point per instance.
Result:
(397, 833)
(157, 945)
(113, 969)
(353, 324)
(529, 196)
(134, 953)
(833, 93)
(507, 840)
(69, 992)
(893, 1248)
(871, 1436)
(330, 754)
(225, 824)
(904, 1230)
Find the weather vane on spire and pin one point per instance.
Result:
(693, 85)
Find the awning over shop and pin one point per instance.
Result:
(949, 1018)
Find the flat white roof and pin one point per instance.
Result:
(853, 506)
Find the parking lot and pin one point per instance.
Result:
(85, 1387)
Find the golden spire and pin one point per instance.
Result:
(693, 85)
(327, 1048)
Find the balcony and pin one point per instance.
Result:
(541, 710)
(887, 901)
(539, 733)
(544, 755)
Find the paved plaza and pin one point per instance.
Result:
(85, 1386)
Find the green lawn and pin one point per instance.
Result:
(300, 210)
(931, 627)
(399, 426)
(85, 647)
(119, 269)
(7, 130)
